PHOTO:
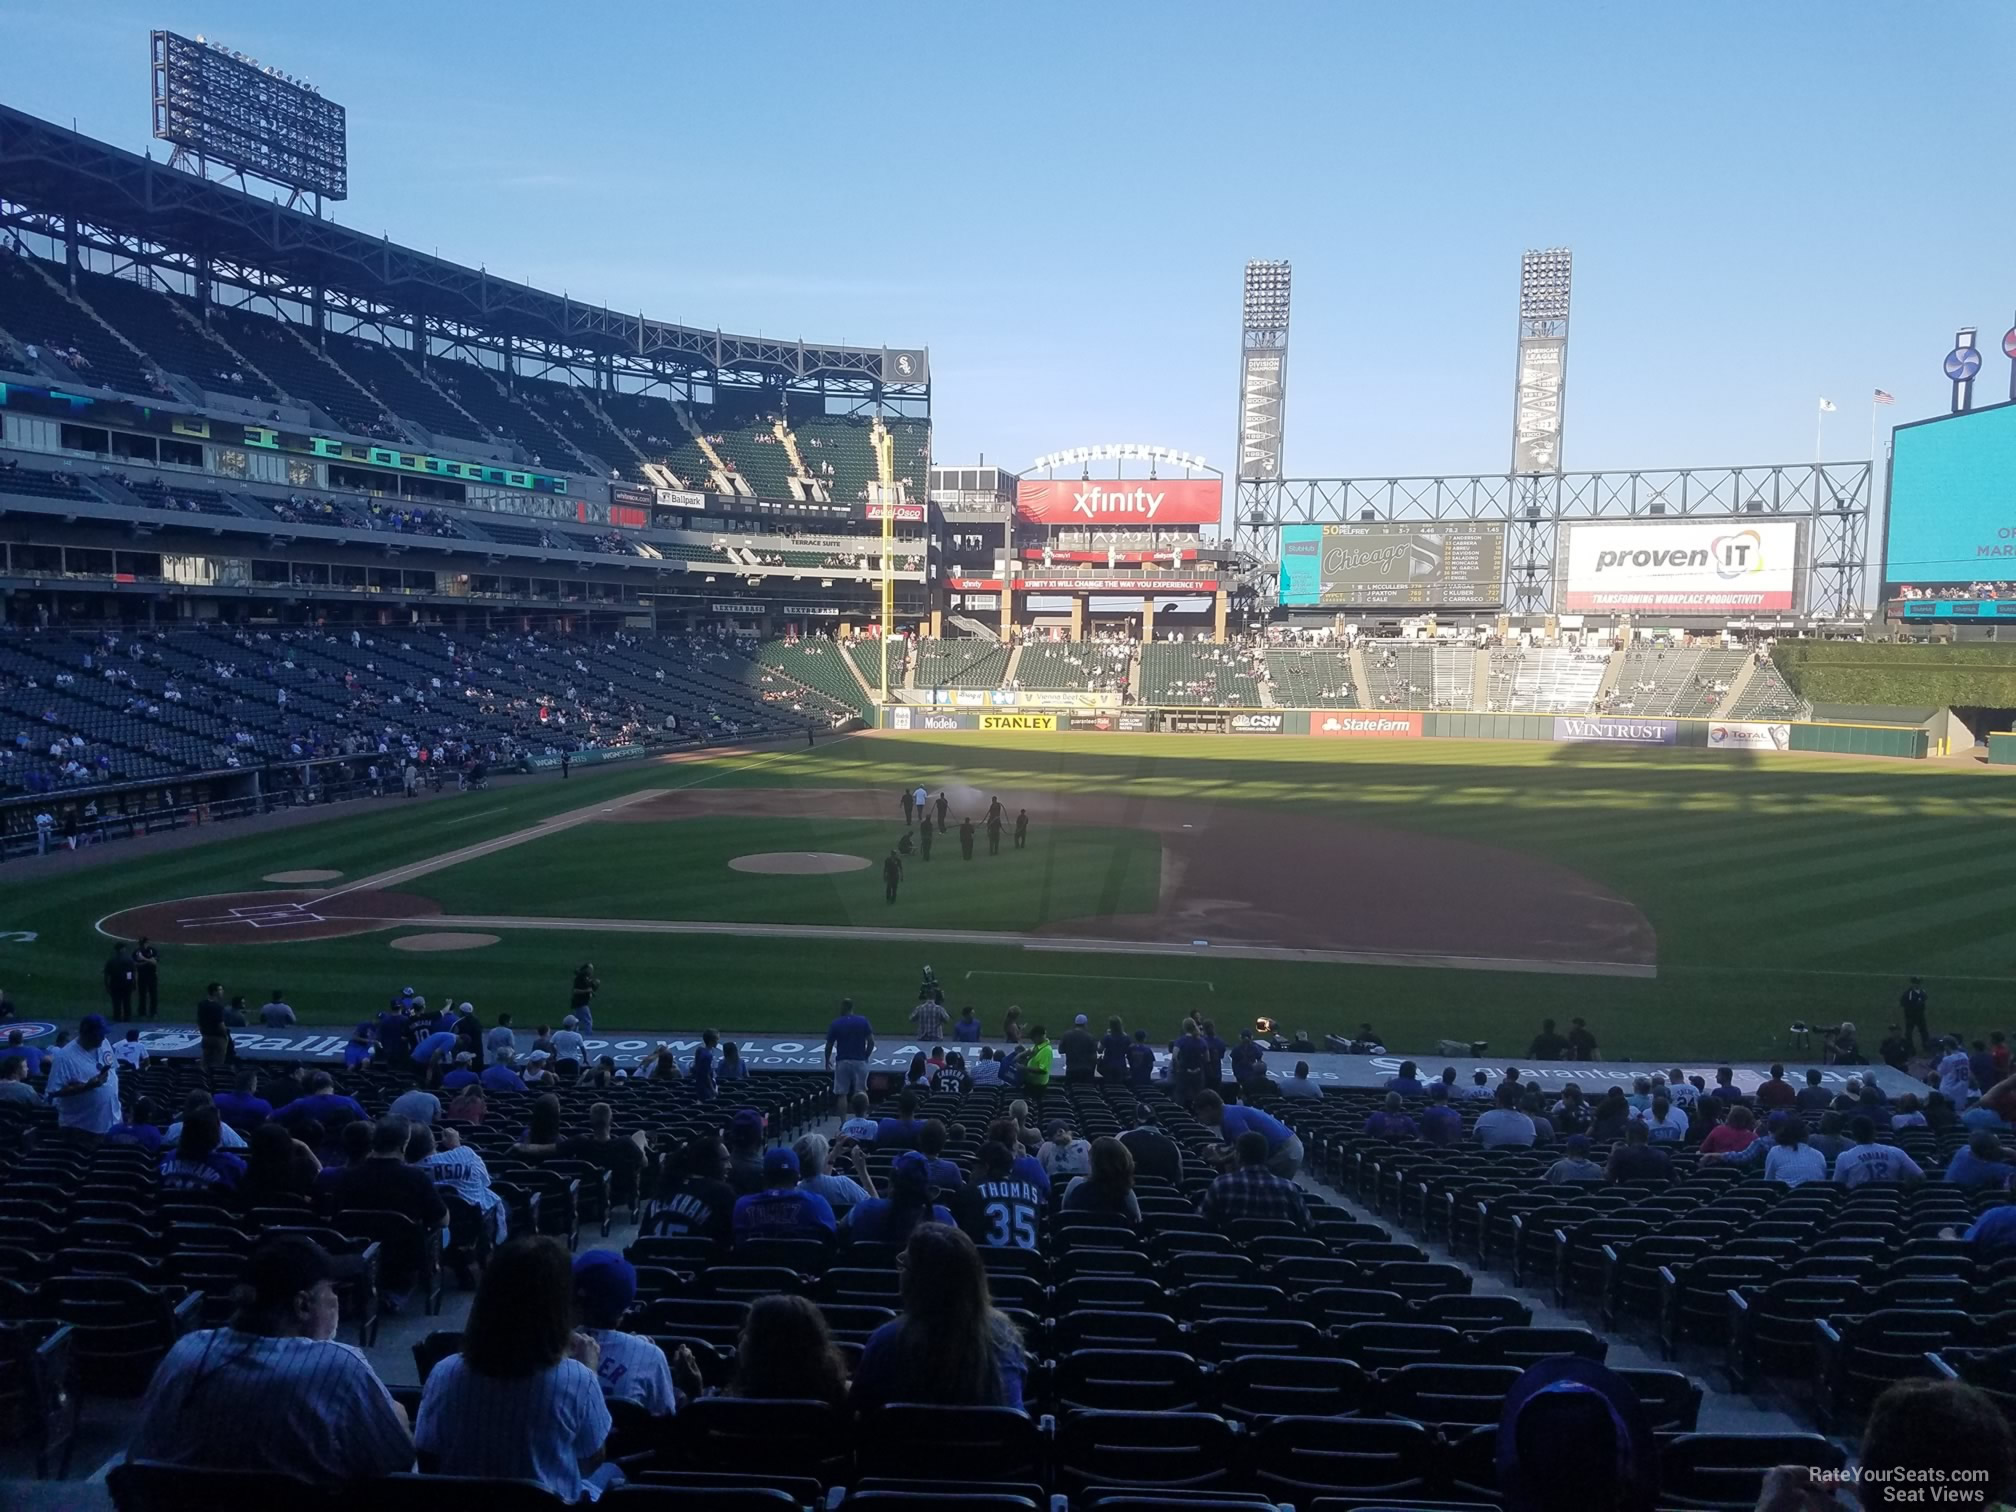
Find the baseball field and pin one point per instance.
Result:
(1685, 903)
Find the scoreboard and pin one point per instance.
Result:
(1433, 565)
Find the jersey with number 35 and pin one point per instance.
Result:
(1004, 1214)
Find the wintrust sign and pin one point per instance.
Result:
(1616, 731)
(1120, 501)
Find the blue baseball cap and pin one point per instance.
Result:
(781, 1158)
(605, 1284)
(911, 1168)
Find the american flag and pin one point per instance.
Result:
(1884, 396)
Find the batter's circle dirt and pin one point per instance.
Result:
(1268, 875)
(445, 940)
(267, 918)
(798, 863)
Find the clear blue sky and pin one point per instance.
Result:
(1767, 203)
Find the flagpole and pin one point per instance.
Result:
(1819, 417)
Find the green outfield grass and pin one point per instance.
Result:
(678, 869)
(1780, 886)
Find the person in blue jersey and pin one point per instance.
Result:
(1113, 1047)
(900, 1132)
(782, 1210)
(950, 1346)
(890, 1219)
(705, 1060)
(522, 1400)
(631, 1367)
(362, 1047)
(1187, 1057)
(432, 1050)
(1000, 1208)
(1141, 1062)
(1284, 1147)
(850, 1040)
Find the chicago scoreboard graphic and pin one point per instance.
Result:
(1443, 565)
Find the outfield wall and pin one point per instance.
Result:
(1432, 724)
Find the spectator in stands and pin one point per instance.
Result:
(1140, 1062)
(1505, 1124)
(1080, 1051)
(1252, 1189)
(781, 1210)
(196, 1164)
(83, 1080)
(786, 1353)
(542, 1132)
(242, 1107)
(1063, 1153)
(1155, 1154)
(416, 1105)
(900, 1132)
(568, 1045)
(1480, 1086)
(501, 1075)
(967, 1030)
(1733, 1135)
(277, 1165)
(1664, 1123)
(733, 1067)
(385, 1183)
(522, 1399)
(1634, 1159)
(1391, 1121)
(1909, 1115)
(858, 1126)
(1108, 1190)
(1866, 1161)
(909, 1203)
(850, 1040)
(840, 1192)
(1775, 1091)
(1284, 1146)
(949, 1346)
(1408, 1082)
(931, 1141)
(324, 1104)
(278, 1394)
(1813, 1099)
(1829, 1141)
(1573, 1434)
(621, 1155)
(1574, 1164)
(745, 1152)
(1956, 1072)
(1300, 1087)
(693, 1196)
(1440, 1123)
(1791, 1159)
(1611, 1117)
(1980, 1165)
(631, 1368)
(1943, 1434)
(276, 1012)
(14, 1088)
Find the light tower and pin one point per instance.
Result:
(1544, 278)
(1263, 371)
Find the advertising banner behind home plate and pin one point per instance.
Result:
(1742, 736)
(1701, 566)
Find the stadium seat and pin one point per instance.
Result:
(966, 1443)
(1145, 1380)
(1247, 1387)
(454, 1493)
(1439, 1393)
(145, 1486)
(1725, 1471)
(807, 1439)
(1295, 1458)
(1142, 1450)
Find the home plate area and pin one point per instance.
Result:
(267, 917)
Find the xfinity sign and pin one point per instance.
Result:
(1123, 501)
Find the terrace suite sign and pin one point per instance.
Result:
(1120, 501)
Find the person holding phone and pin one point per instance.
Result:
(84, 1080)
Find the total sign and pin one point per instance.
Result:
(1120, 501)
(1682, 567)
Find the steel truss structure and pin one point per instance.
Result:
(219, 244)
(1832, 496)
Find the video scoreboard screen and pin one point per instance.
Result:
(1454, 565)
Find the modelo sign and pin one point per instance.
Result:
(1120, 501)
(1403, 726)
(1616, 731)
(1683, 567)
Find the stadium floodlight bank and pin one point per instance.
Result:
(1263, 369)
(1541, 386)
(221, 107)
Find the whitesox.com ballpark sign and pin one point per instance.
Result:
(1119, 501)
(1682, 567)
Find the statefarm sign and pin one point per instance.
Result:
(1120, 501)
(1402, 726)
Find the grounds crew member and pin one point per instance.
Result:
(922, 800)
(1913, 1003)
(994, 830)
(909, 804)
(944, 808)
(966, 838)
(994, 811)
(1021, 829)
(924, 835)
(892, 873)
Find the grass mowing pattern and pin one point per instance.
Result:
(1781, 887)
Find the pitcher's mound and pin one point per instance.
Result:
(302, 876)
(444, 940)
(798, 863)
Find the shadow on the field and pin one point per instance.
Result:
(1621, 754)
